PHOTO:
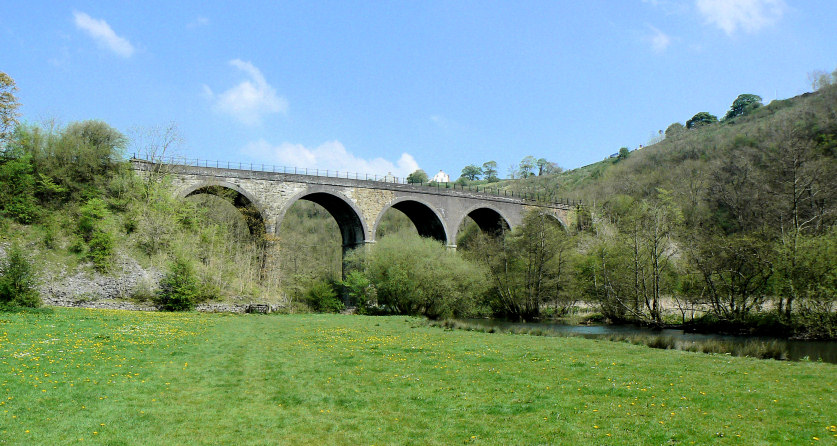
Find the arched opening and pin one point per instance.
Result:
(393, 222)
(480, 221)
(315, 233)
(347, 218)
(489, 221)
(231, 244)
(252, 217)
(423, 217)
(309, 248)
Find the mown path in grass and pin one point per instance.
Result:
(112, 377)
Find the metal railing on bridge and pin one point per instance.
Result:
(539, 197)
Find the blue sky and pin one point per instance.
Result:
(379, 87)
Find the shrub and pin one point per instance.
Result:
(17, 280)
(419, 276)
(179, 288)
(92, 215)
(101, 250)
(143, 291)
(322, 298)
(94, 229)
(17, 189)
(359, 290)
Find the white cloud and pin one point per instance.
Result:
(440, 121)
(659, 40)
(749, 15)
(198, 22)
(102, 33)
(249, 100)
(331, 156)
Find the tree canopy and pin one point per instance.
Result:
(419, 176)
(8, 106)
(527, 164)
(489, 169)
(471, 172)
(674, 129)
(743, 104)
(701, 119)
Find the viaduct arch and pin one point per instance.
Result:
(357, 205)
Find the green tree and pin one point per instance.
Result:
(806, 274)
(81, 159)
(489, 169)
(674, 129)
(527, 267)
(623, 153)
(178, 288)
(419, 176)
(17, 280)
(8, 107)
(701, 119)
(526, 166)
(322, 298)
(628, 266)
(743, 105)
(419, 276)
(359, 290)
(471, 172)
(94, 228)
(546, 167)
(17, 189)
(734, 272)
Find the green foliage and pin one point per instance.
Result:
(527, 267)
(17, 188)
(546, 167)
(527, 164)
(624, 152)
(734, 272)
(674, 130)
(79, 160)
(94, 228)
(8, 107)
(322, 298)
(100, 249)
(806, 274)
(91, 217)
(179, 288)
(359, 290)
(743, 105)
(471, 172)
(419, 276)
(419, 176)
(629, 267)
(489, 169)
(701, 119)
(17, 279)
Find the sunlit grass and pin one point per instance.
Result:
(115, 377)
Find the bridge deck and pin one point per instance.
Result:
(336, 178)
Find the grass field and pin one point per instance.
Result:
(112, 377)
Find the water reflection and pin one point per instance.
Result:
(796, 349)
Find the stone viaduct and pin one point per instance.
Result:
(356, 203)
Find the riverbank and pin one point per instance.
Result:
(119, 377)
(761, 347)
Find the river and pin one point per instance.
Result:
(795, 349)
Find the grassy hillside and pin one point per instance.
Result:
(113, 377)
(685, 159)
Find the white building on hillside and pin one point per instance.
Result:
(441, 177)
